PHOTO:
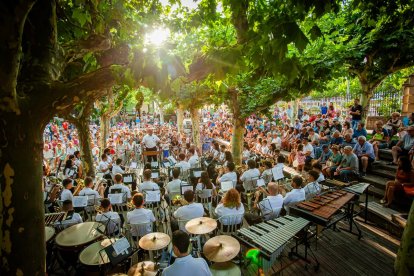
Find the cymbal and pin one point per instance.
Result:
(199, 226)
(146, 268)
(221, 248)
(154, 241)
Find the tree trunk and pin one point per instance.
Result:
(195, 119)
(404, 263)
(23, 247)
(104, 131)
(367, 93)
(180, 118)
(85, 145)
(237, 139)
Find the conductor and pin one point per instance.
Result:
(150, 142)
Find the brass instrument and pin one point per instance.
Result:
(179, 200)
(79, 187)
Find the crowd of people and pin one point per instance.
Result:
(316, 146)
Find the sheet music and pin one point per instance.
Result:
(154, 175)
(260, 182)
(197, 173)
(152, 196)
(133, 165)
(166, 164)
(186, 188)
(121, 246)
(154, 164)
(172, 160)
(115, 198)
(128, 178)
(80, 201)
(277, 173)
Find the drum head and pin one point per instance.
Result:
(49, 233)
(225, 269)
(80, 234)
(94, 255)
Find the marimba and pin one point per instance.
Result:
(271, 236)
(321, 209)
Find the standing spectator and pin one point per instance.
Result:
(324, 109)
(331, 111)
(356, 112)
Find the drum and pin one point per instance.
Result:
(75, 238)
(225, 269)
(92, 257)
(49, 233)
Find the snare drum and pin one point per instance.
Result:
(225, 269)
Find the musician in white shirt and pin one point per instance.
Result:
(174, 186)
(147, 184)
(230, 205)
(182, 164)
(193, 160)
(89, 191)
(297, 194)
(251, 173)
(228, 174)
(119, 186)
(187, 212)
(111, 219)
(140, 215)
(66, 193)
(117, 167)
(72, 218)
(104, 165)
(150, 142)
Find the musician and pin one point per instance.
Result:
(230, 205)
(185, 264)
(252, 172)
(150, 142)
(147, 184)
(174, 186)
(205, 188)
(318, 168)
(120, 186)
(105, 165)
(117, 167)
(246, 152)
(182, 164)
(139, 214)
(70, 170)
(111, 219)
(107, 152)
(267, 173)
(193, 159)
(269, 207)
(187, 212)
(67, 193)
(222, 155)
(312, 188)
(71, 217)
(297, 194)
(228, 157)
(88, 190)
(227, 174)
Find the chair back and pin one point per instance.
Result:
(249, 185)
(138, 230)
(230, 223)
(112, 226)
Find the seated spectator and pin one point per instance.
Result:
(336, 138)
(348, 141)
(336, 126)
(326, 153)
(365, 153)
(323, 138)
(313, 136)
(380, 138)
(333, 162)
(393, 124)
(187, 212)
(404, 176)
(404, 146)
(360, 130)
(313, 187)
(347, 129)
(140, 215)
(349, 166)
(297, 194)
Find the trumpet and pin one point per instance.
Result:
(79, 187)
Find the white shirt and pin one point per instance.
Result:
(124, 189)
(113, 225)
(296, 195)
(230, 176)
(311, 189)
(187, 265)
(224, 211)
(249, 174)
(140, 215)
(277, 141)
(150, 141)
(103, 166)
(190, 211)
(66, 195)
(70, 151)
(264, 150)
(48, 154)
(246, 154)
(88, 191)
(183, 165)
(193, 161)
(117, 169)
(76, 218)
(309, 147)
(271, 206)
(174, 186)
(148, 186)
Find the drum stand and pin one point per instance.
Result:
(305, 240)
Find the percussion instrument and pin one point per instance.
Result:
(221, 248)
(93, 255)
(154, 241)
(335, 183)
(199, 226)
(320, 209)
(146, 268)
(49, 233)
(225, 269)
(79, 235)
(51, 218)
(271, 237)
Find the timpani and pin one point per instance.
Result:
(92, 257)
(49, 233)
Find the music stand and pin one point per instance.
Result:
(184, 188)
(114, 254)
